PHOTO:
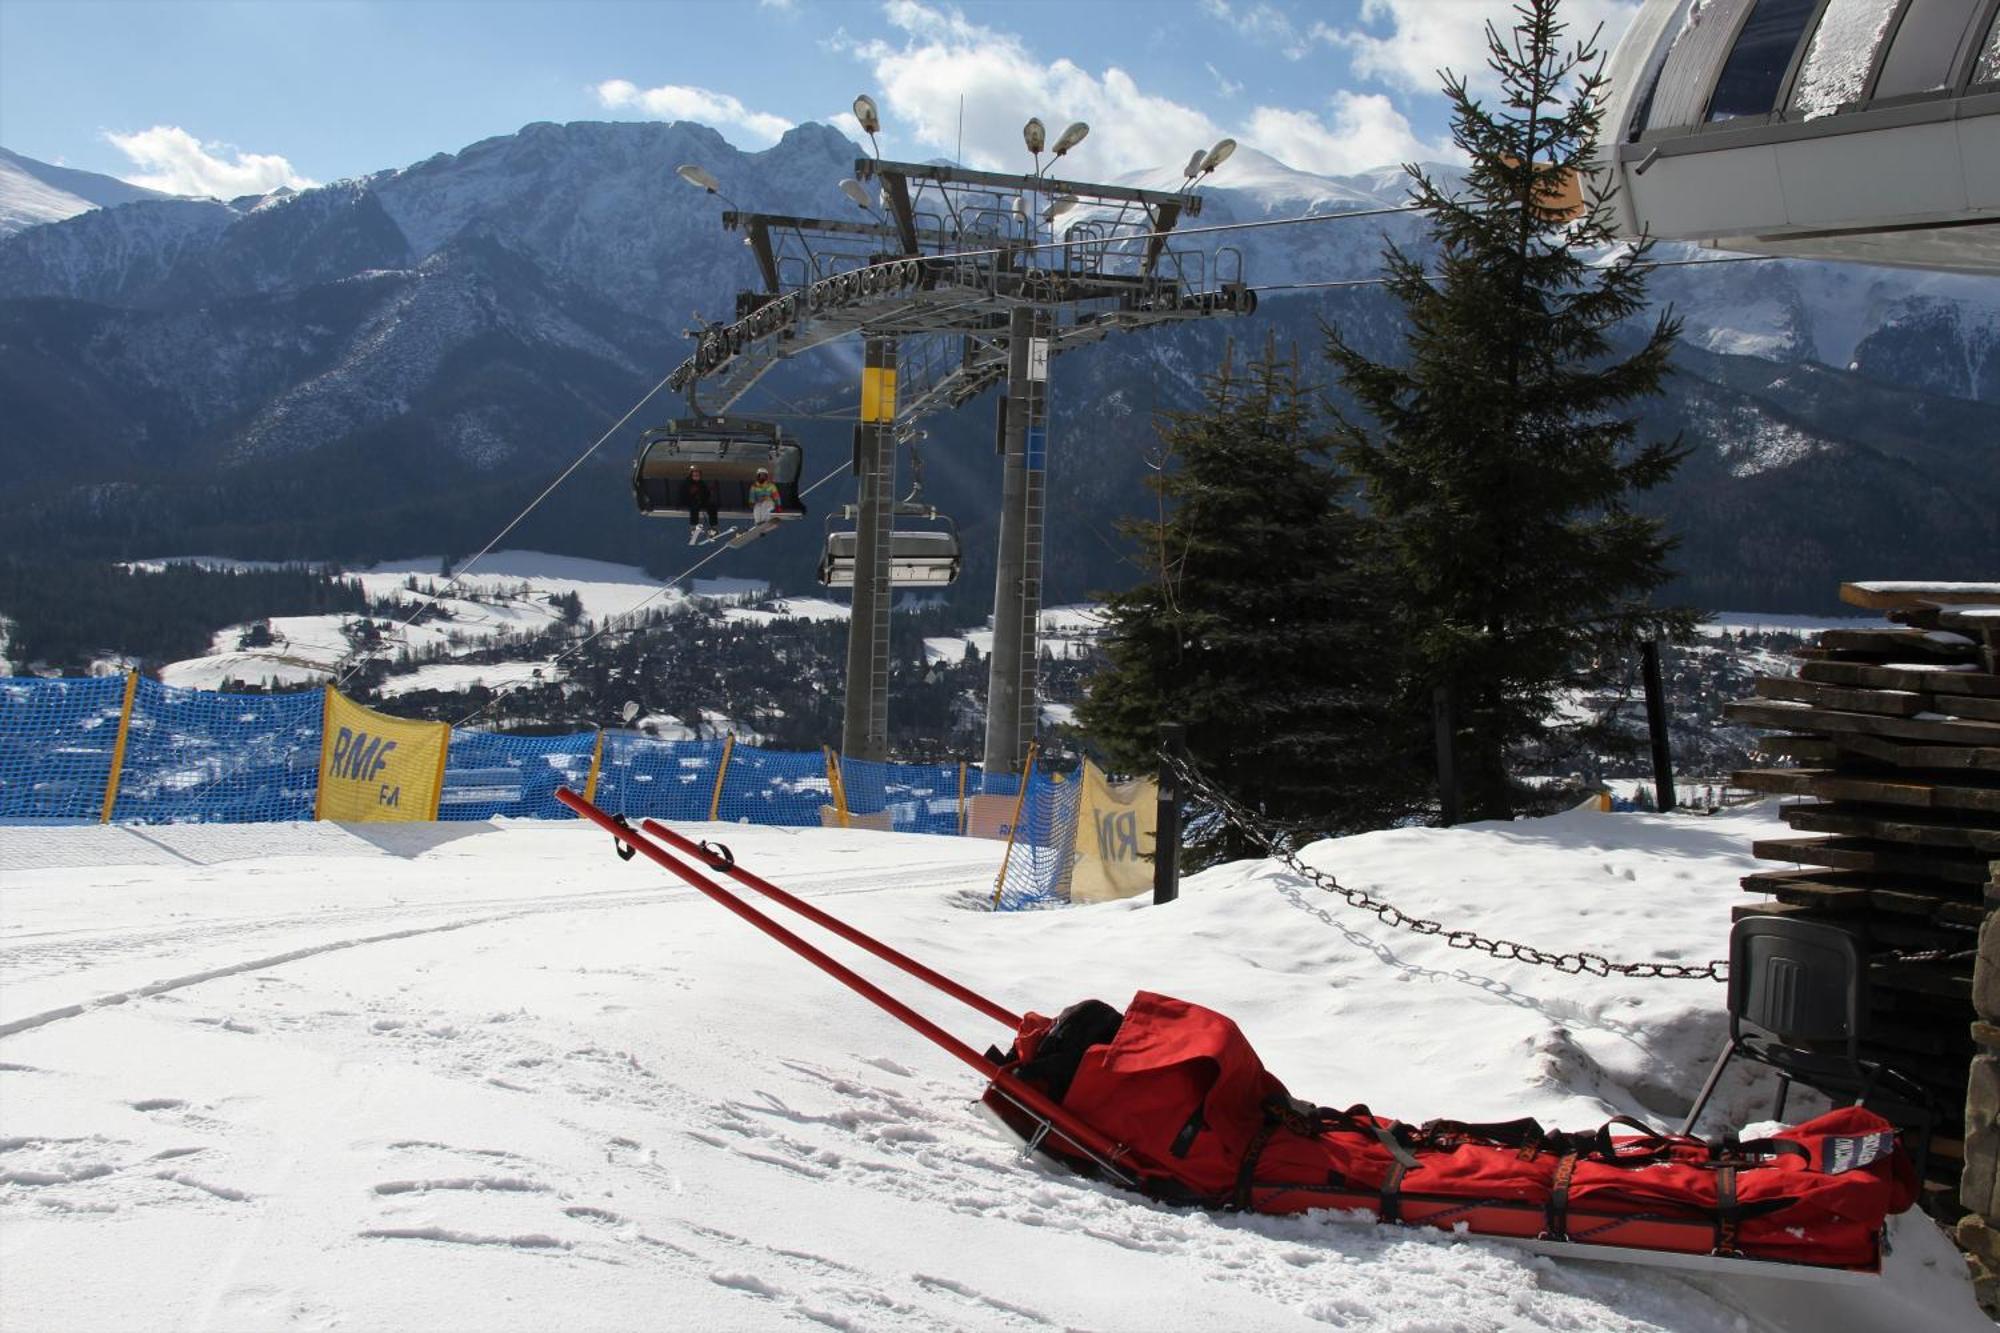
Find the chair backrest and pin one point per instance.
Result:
(1800, 981)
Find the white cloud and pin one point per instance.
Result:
(672, 101)
(782, 6)
(1364, 130)
(172, 160)
(1265, 23)
(945, 58)
(1224, 85)
(1425, 36)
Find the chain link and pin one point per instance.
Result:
(1275, 839)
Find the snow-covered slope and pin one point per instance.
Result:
(32, 192)
(468, 1076)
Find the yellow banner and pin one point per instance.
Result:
(376, 767)
(1115, 824)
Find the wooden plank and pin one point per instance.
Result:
(1864, 854)
(1894, 826)
(1901, 789)
(1826, 721)
(1889, 703)
(1905, 755)
(1966, 705)
(1811, 749)
(1892, 594)
(1899, 645)
(1901, 678)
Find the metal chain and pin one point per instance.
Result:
(1274, 838)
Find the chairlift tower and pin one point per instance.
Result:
(959, 281)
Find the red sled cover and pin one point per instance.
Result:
(1181, 1087)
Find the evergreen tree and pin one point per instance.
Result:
(1500, 471)
(1259, 627)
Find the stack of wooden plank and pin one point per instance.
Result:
(1893, 734)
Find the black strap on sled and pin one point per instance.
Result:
(718, 854)
(1728, 1213)
(1357, 1119)
(1555, 1214)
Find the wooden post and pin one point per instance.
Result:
(835, 786)
(721, 772)
(1167, 817)
(118, 748)
(1444, 716)
(1656, 723)
(596, 765)
(1014, 827)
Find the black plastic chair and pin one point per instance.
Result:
(1798, 995)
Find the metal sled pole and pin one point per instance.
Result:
(1071, 1128)
(813, 914)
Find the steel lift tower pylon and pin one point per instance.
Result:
(961, 281)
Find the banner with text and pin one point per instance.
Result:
(1114, 837)
(376, 767)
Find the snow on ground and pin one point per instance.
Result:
(1765, 622)
(787, 608)
(465, 675)
(480, 1076)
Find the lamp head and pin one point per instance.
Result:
(1193, 167)
(1034, 134)
(1218, 154)
(865, 112)
(852, 189)
(1058, 206)
(1071, 137)
(698, 178)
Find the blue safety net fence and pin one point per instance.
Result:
(1036, 873)
(917, 798)
(644, 778)
(487, 774)
(195, 756)
(203, 756)
(56, 742)
(774, 787)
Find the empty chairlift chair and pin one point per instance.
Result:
(728, 450)
(1798, 998)
(918, 557)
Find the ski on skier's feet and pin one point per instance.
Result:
(751, 534)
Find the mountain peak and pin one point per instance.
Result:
(32, 192)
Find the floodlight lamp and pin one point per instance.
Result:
(698, 178)
(1193, 167)
(1034, 134)
(865, 112)
(1020, 208)
(852, 189)
(1071, 137)
(1218, 154)
(1058, 206)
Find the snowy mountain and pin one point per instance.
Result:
(396, 363)
(32, 192)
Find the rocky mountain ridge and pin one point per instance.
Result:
(398, 362)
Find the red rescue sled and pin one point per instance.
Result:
(1168, 1099)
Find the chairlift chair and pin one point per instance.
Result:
(728, 450)
(918, 557)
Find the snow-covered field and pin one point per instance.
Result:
(490, 1077)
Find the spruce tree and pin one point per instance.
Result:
(1499, 469)
(1258, 627)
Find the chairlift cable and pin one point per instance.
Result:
(514, 522)
(630, 611)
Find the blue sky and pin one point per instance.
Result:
(233, 98)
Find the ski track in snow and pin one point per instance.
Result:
(616, 1109)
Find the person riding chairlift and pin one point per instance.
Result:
(698, 498)
(763, 497)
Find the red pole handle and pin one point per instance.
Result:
(834, 924)
(1031, 1097)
